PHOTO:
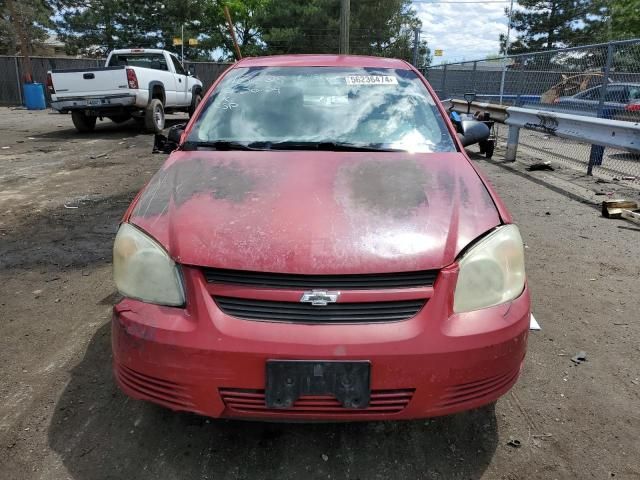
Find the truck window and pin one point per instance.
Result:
(155, 61)
(178, 66)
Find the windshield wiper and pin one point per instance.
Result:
(217, 145)
(322, 146)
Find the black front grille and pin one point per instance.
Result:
(424, 278)
(294, 312)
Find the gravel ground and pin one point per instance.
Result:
(61, 417)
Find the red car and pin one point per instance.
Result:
(318, 246)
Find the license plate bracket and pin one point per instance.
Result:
(288, 380)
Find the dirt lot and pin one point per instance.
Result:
(61, 196)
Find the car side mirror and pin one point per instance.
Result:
(169, 143)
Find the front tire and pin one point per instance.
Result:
(154, 117)
(82, 122)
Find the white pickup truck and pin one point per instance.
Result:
(141, 83)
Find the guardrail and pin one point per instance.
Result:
(599, 132)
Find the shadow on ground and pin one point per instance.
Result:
(79, 236)
(105, 129)
(101, 434)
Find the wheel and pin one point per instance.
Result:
(482, 144)
(195, 101)
(82, 122)
(120, 118)
(490, 147)
(154, 116)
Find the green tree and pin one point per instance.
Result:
(547, 24)
(94, 27)
(610, 20)
(378, 27)
(382, 28)
(26, 20)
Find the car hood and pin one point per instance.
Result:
(315, 212)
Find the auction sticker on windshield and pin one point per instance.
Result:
(371, 80)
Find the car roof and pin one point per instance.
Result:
(323, 61)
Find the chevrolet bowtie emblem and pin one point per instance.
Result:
(319, 298)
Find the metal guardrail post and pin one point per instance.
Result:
(512, 143)
(597, 151)
(443, 92)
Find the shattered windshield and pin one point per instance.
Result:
(384, 108)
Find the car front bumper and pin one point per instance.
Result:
(201, 360)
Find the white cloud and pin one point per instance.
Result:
(468, 31)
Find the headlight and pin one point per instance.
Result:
(491, 272)
(143, 270)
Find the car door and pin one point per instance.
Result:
(182, 84)
(616, 100)
(587, 100)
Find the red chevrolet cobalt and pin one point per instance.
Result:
(318, 246)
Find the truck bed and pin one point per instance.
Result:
(100, 81)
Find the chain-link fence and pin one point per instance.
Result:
(596, 80)
(11, 73)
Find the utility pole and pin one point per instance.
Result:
(416, 39)
(182, 42)
(506, 52)
(232, 33)
(345, 7)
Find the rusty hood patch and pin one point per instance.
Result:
(315, 212)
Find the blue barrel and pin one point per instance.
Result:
(34, 96)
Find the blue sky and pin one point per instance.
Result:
(466, 31)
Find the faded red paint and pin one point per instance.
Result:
(318, 213)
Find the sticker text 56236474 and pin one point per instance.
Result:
(371, 80)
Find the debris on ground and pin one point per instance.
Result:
(325, 457)
(580, 357)
(540, 166)
(514, 442)
(614, 208)
(631, 215)
(533, 323)
(628, 178)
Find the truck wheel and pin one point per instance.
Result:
(120, 118)
(195, 101)
(154, 116)
(82, 122)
